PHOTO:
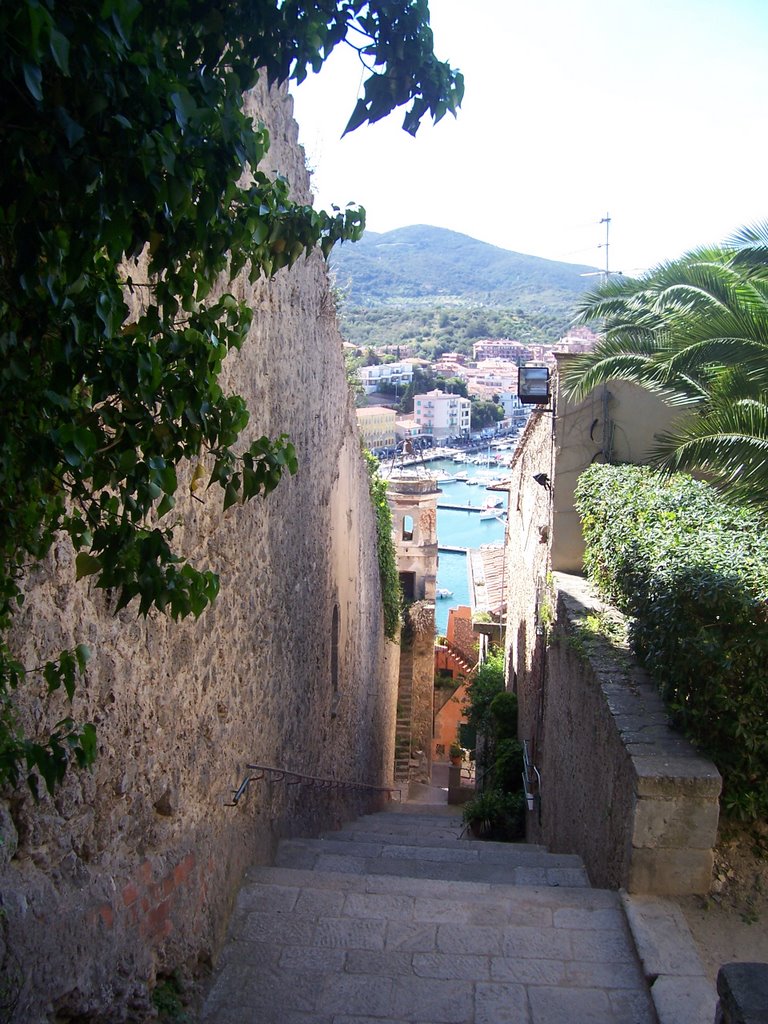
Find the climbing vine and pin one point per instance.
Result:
(391, 593)
(124, 146)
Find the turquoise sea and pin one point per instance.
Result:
(462, 529)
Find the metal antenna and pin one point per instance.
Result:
(606, 245)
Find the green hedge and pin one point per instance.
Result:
(690, 569)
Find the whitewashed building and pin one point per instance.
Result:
(442, 415)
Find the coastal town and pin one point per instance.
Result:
(445, 418)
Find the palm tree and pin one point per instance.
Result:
(695, 332)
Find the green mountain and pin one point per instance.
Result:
(427, 290)
(433, 265)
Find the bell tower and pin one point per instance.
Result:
(413, 499)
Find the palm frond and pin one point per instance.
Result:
(729, 443)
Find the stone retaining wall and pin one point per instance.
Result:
(130, 871)
(620, 787)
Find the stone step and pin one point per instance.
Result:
(463, 861)
(446, 841)
(313, 947)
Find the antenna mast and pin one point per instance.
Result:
(606, 245)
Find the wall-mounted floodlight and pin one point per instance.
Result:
(533, 385)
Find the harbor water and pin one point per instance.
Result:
(460, 529)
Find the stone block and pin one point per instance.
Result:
(670, 872)
(682, 1000)
(743, 991)
(676, 822)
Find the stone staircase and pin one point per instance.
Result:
(404, 716)
(397, 919)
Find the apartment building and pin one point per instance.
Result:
(377, 426)
(442, 415)
(372, 377)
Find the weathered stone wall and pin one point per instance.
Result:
(527, 563)
(620, 788)
(131, 869)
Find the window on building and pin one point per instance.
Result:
(407, 527)
(408, 585)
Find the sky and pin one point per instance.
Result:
(653, 113)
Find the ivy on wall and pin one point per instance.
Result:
(691, 570)
(124, 136)
(390, 578)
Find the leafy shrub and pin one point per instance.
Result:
(508, 765)
(496, 815)
(690, 568)
(488, 681)
(498, 811)
(503, 712)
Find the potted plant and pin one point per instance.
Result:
(456, 753)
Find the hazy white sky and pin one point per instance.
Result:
(655, 112)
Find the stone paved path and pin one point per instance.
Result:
(397, 920)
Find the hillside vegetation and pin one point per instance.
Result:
(431, 289)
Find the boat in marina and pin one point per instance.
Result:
(441, 592)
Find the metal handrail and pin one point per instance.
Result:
(271, 774)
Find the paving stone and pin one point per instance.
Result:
(366, 994)
(398, 921)
(446, 1002)
(475, 939)
(662, 936)
(485, 911)
(349, 933)
(556, 1005)
(344, 1019)
(501, 1004)
(312, 960)
(281, 930)
(342, 864)
(459, 966)
(536, 943)
(408, 935)
(684, 1000)
(634, 1006)
(389, 962)
(249, 985)
(587, 918)
(320, 903)
(366, 904)
(528, 971)
(598, 974)
(266, 898)
(606, 947)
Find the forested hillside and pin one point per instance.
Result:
(431, 289)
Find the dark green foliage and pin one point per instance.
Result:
(691, 570)
(487, 682)
(484, 413)
(508, 764)
(427, 329)
(503, 710)
(391, 593)
(498, 811)
(495, 815)
(123, 135)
